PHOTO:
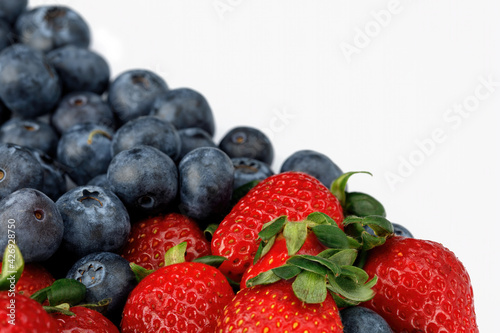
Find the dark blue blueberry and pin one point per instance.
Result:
(133, 93)
(313, 163)
(358, 319)
(95, 220)
(185, 108)
(82, 107)
(30, 133)
(4, 113)
(248, 142)
(100, 180)
(192, 138)
(248, 169)
(37, 224)
(47, 28)
(29, 85)
(80, 69)
(11, 9)
(5, 34)
(206, 178)
(144, 178)
(54, 181)
(18, 169)
(106, 275)
(399, 230)
(85, 149)
(148, 131)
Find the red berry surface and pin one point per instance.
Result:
(184, 297)
(33, 278)
(274, 308)
(149, 239)
(422, 287)
(21, 314)
(293, 194)
(84, 320)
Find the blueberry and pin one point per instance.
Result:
(133, 93)
(80, 69)
(11, 9)
(313, 163)
(192, 138)
(82, 107)
(30, 133)
(4, 113)
(144, 178)
(248, 169)
(100, 180)
(5, 34)
(247, 142)
(18, 169)
(106, 275)
(358, 319)
(86, 150)
(148, 131)
(185, 108)
(37, 223)
(54, 181)
(95, 220)
(49, 27)
(29, 85)
(206, 183)
(400, 230)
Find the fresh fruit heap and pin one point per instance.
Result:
(119, 212)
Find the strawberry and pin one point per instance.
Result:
(84, 320)
(278, 255)
(180, 297)
(422, 287)
(275, 308)
(292, 194)
(33, 278)
(19, 313)
(151, 238)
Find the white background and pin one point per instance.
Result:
(256, 61)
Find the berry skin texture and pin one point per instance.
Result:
(274, 308)
(184, 297)
(29, 316)
(278, 255)
(84, 320)
(422, 287)
(293, 194)
(33, 278)
(149, 239)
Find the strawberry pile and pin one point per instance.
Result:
(172, 244)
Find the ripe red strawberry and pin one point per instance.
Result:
(275, 308)
(422, 287)
(84, 320)
(151, 238)
(184, 297)
(33, 278)
(19, 313)
(278, 255)
(293, 194)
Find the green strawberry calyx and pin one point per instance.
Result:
(355, 203)
(12, 266)
(331, 271)
(175, 255)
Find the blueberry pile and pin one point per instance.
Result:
(84, 156)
